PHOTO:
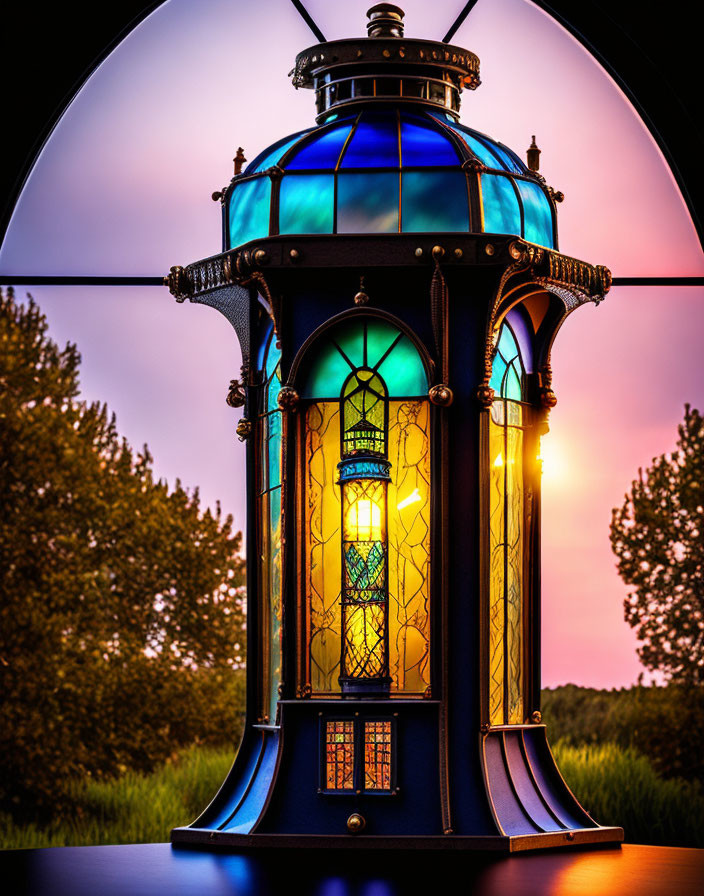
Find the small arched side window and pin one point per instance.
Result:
(366, 512)
(508, 525)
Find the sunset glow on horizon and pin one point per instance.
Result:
(123, 188)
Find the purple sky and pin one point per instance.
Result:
(123, 187)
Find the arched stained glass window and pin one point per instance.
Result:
(507, 532)
(367, 511)
(269, 514)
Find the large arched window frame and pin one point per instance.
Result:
(395, 461)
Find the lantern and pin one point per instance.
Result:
(394, 281)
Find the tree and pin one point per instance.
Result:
(658, 537)
(121, 601)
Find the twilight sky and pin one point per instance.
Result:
(123, 187)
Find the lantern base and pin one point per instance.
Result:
(601, 836)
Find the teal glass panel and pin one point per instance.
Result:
(507, 344)
(434, 201)
(274, 439)
(423, 144)
(512, 385)
(403, 371)
(273, 390)
(306, 203)
(479, 149)
(250, 203)
(523, 331)
(537, 214)
(272, 358)
(327, 375)
(501, 211)
(271, 155)
(321, 150)
(350, 338)
(374, 143)
(380, 337)
(497, 374)
(367, 203)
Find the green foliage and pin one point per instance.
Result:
(666, 724)
(619, 787)
(134, 808)
(658, 537)
(121, 602)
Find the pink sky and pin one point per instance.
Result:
(123, 187)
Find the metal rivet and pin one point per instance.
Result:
(489, 249)
(438, 252)
(419, 252)
(356, 823)
(261, 256)
(294, 254)
(458, 253)
(569, 835)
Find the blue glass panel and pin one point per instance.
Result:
(482, 152)
(509, 162)
(271, 155)
(263, 349)
(374, 143)
(497, 374)
(250, 203)
(306, 203)
(512, 385)
(403, 371)
(320, 150)
(367, 203)
(434, 201)
(523, 331)
(501, 211)
(507, 344)
(537, 214)
(327, 375)
(423, 144)
(363, 469)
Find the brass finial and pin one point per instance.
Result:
(239, 160)
(385, 20)
(533, 156)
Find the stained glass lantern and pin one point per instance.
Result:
(394, 281)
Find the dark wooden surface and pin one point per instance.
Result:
(149, 869)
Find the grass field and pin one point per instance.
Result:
(616, 785)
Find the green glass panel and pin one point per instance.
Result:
(367, 203)
(403, 371)
(327, 375)
(537, 214)
(434, 201)
(380, 335)
(306, 203)
(501, 211)
(250, 203)
(512, 385)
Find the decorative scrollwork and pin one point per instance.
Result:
(288, 399)
(236, 395)
(244, 429)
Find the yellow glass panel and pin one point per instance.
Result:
(514, 569)
(322, 523)
(497, 486)
(409, 546)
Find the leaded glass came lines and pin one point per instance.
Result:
(377, 755)
(339, 755)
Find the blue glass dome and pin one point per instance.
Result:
(388, 169)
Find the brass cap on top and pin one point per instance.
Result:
(385, 20)
(386, 67)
